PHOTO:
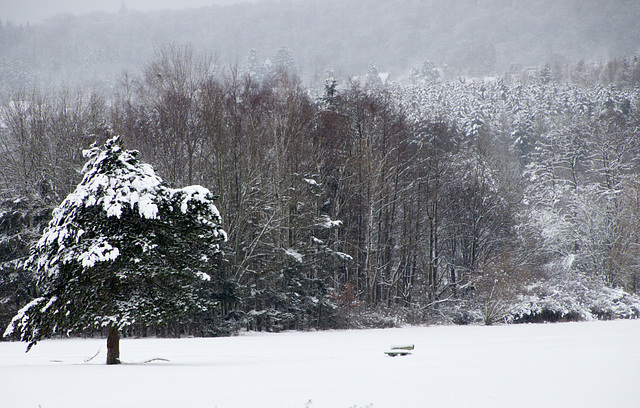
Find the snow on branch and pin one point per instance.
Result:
(326, 222)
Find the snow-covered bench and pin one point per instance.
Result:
(402, 350)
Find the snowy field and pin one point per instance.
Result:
(592, 364)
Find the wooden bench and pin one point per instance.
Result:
(402, 350)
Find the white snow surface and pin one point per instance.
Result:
(588, 364)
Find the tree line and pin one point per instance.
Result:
(371, 204)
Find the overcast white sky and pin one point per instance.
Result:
(34, 11)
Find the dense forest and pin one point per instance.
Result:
(374, 163)
(509, 198)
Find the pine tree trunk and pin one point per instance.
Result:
(113, 345)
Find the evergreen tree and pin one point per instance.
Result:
(122, 249)
(254, 67)
(283, 61)
(21, 223)
(426, 74)
(372, 79)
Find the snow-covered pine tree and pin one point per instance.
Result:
(372, 79)
(22, 221)
(283, 61)
(122, 249)
(254, 67)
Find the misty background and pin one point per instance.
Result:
(323, 37)
(35, 11)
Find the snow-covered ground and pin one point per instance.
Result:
(592, 364)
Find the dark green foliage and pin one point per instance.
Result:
(21, 223)
(122, 249)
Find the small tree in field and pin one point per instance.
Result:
(502, 279)
(122, 249)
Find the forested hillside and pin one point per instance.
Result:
(461, 37)
(511, 198)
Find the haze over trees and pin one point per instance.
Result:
(465, 193)
(463, 37)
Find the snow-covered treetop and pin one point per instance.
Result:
(116, 182)
(113, 184)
